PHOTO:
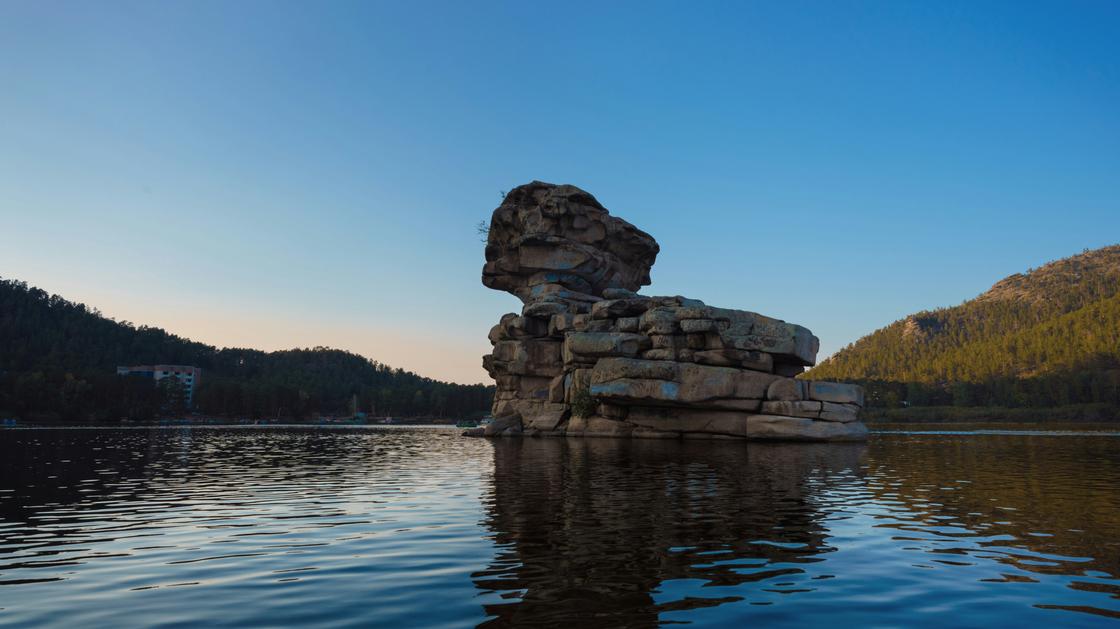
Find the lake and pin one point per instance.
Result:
(391, 526)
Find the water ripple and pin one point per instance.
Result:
(419, 527)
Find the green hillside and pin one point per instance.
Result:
(59, 358)
(1050, 336)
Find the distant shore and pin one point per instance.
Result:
(226, 421)
(1073, 413)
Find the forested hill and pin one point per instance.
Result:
(1045, 337)
(59, 359)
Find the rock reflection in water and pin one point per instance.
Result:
(907, 531)
(609, 532)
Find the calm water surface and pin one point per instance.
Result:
(420, 527)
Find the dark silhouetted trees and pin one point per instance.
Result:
(59, 359)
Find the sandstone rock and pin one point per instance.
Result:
(834, 412)
(787, 389)
(799, 408)
(544, 309)
(559, 293)
(627, 324)
(642, 366)
(557, 388)
(500, 424)
(789, 370)
(600, 325)
(561, 324)
(658, 321)
(563, 234)
(618, 293)
(736, 329)
(605, 344)
(756, 361)
(615, 308)
(613, 411)
(688, 384)
(836, 392)
(526, 357)
(533, 388)
(496, 334)
(615, 368)
(780, 428)
(548, 417)
(659, 354)
(751, 405)
(647, 433)
(700, 325)
(525, 327)
(667, 341)
(689, 421)
(577, 380)
(596, 426)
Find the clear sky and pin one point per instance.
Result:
(282, 174)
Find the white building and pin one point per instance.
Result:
(186, 375)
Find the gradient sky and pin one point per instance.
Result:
(281, 174)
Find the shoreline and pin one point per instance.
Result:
(1070, 414)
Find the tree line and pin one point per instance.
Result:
(1050, 337)
(59, 359)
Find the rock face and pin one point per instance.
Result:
(588, 356)
(556, 244)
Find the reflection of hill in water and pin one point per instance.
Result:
(1032, 498)
(591, 530)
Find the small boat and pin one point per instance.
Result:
(466, 423)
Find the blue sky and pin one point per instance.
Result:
(280, 174)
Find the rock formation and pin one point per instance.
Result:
(589, 356)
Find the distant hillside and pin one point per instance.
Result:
(59, 359)
(1045, 337)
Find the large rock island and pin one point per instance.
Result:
(589, 356)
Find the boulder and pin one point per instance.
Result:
(501, 424)
(787, 389)
(605, 344)
(537, 357)
(799, 408)
(757, 361)
(558, 234)
(676, 384)
(596, 426)
(837, 392)
(833, 412)
(547, 417)
(627, 324)
(689, 421)
(615, 308)
(659, 367)
(781, 428)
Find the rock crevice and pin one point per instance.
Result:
(589, 356)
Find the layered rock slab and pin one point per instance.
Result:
(588, 356)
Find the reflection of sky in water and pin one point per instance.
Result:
(422, 527)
